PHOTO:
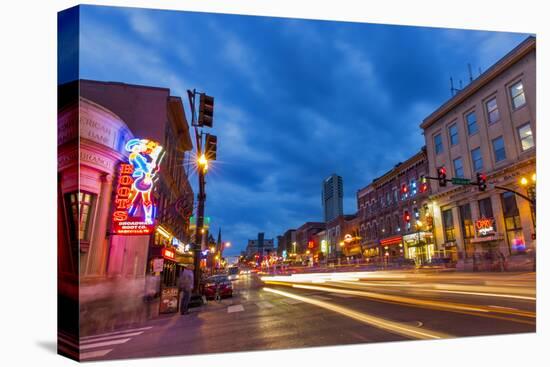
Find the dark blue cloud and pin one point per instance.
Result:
(296, 100)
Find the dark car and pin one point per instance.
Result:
(221, 283)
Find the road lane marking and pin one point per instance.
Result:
(104, 344)
(264, 304)
(291, 301)
(111, 337)
(391, 326)
(322, 298)
(235, 308)
(116, 332)
(342, 295)
(94, 354)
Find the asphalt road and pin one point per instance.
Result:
(311, 310)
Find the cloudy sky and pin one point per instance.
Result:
(296, 100)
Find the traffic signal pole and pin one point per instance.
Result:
(205, 119)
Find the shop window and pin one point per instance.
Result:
(512, 222)
(526, 137)
(80, 207)
(448, 225)
(518, 95)
(466, 219)
(486, 209)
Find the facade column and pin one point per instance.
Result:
(526, 219)
(498, 213)
(439, 239)
(459, 238)
(99, 241)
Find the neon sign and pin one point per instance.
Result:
(485, 226)
(168, 254)
(134, 207)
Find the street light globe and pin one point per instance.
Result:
(534, 177)
(228, 244)
(523, 181)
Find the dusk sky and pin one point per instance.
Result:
(295, 100)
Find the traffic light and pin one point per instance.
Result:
(481, 181)
(406, 216)
(210, 147)
(404, 189)
(206, 111)
(423, 184)
(442, 176)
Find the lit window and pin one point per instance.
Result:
(477, 160)
(498, 149)
(80, 205)
(459, 169)
(518, 95)
(492, 111)
(526, 137)
(438, 143)
(472, 123)
(448, 225)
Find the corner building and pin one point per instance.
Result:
(488, 127)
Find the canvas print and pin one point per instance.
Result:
(233, 183)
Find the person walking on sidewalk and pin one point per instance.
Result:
(185, 285)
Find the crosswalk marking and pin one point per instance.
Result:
(111, 337)
(115, 333)
(104, 344)
(291, 301)
(264, 304)
(94, 354)
(235, 308)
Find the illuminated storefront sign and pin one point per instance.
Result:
(395, 240)
(134, 207)
(485, 227)
(168, 254)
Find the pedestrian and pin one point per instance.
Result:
(502, 259)
(185, 285)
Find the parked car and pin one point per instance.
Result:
(220, 283)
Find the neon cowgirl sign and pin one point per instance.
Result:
(485, 226)
(134, 207)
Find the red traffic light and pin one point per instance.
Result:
(404, 188)
(406, 216)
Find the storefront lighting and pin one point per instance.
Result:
(164, 232)
(523, 181)
(534, 177)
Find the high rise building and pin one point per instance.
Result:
(332, 197)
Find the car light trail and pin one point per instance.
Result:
(391, 326)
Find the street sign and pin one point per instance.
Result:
(460, 181)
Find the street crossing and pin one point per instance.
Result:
(97, 346)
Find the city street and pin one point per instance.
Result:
(322, 309)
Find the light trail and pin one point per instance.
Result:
(455, 307)
(391, 326)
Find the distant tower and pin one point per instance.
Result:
(219, 243)
(332, 197)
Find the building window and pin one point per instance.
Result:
(438, 143)
(459, 169)
(477, 160)
(448, 225)
(526, 137)
(512, 222)
(472, 123)
(80, 205)
(518, 95)
(453, 134)
(492, 110)
(467, 223)
(498, 149)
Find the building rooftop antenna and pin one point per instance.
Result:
(470, 72)
(453, 89)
